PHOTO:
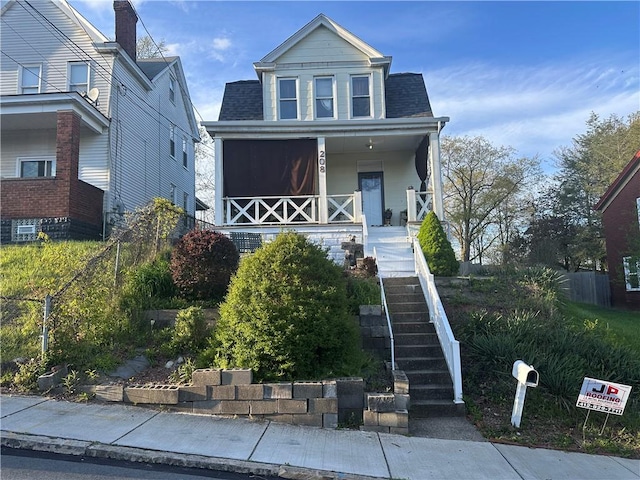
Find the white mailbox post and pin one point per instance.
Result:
(527, 376)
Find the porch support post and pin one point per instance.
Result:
(323, 211)
(218, 211)
(357, 206)
(411, 205)
(436, 174)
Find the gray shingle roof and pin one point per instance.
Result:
(153, 66)
(406, 96)
(242, 101)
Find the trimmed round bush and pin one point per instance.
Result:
(286, 314)
(202, 263)
(436, 247)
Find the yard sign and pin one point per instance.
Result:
(607, 397)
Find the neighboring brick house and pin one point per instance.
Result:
(88, 130)
(620, 207)
(326, 137)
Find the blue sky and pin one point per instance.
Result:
(523, 74)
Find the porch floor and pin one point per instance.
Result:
(393, 250)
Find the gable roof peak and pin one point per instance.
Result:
(268, 61)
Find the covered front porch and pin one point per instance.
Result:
(296, 174)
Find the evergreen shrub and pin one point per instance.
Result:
(286, 315)
(436, 247)
(202, 263)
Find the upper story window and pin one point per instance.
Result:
(185, 158)
(30, 79)
(185, 201)
(360, 96)
(78, 77)
(288, 99)
(324, 97)
(36, 167)
(172, 140)
(173, 191)
(172, 89)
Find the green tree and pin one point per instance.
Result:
(585, 171)
(479, 178)
(286, 314)
(436, 247)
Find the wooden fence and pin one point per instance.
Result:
(589, 287)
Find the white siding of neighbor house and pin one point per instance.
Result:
(130, 161)
(322, 53)
(141, 165)
(30, 42)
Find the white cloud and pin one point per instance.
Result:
(534, 109)
(221, 43)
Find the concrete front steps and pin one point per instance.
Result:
(417, 350)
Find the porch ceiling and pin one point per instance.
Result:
(372, 143)
(34, 112)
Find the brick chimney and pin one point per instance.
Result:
(126, 20)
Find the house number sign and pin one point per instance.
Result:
(321, 161)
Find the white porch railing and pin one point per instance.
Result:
(386, 312)
(291, 210)
(450, 346)
(418, 205)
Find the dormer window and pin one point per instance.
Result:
(287, 94)
(324, 97)
(360, 96)
(78, 77)
(172, 89)
(30, 79)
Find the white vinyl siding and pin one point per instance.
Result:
(631, 273)
(78, 77)
(324, 97)
(360, 96)
(30, 79)
(288, 98)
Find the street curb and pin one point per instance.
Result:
(140, 455)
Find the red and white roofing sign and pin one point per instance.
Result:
(603, 396)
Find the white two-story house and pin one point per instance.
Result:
(89, 132)
(326, 139)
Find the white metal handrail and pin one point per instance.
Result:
(437, 315)
(386, 312)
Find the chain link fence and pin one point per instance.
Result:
(83, 319)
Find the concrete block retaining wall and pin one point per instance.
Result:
(389, 412)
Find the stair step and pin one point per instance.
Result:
(421, 363)
(404, 297)
(429, 377)
(400, 317)
(412, 327)
(436, 408)
(401, 281)
(400, 289)
(408, 307)
(431, 392)
(427, 339)
(417, 351)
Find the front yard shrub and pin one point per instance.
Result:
(362, 291)
(436, 247)
(286, 315)
(190, 331)
(149, 286)
(202, 263)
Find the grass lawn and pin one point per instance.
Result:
(622, 326)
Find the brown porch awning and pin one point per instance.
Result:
(260, 168)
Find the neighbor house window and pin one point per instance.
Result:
(172, 140)
(78, 77)
(324, 97)
(185, 202)
(184, 153)
(172, 193)
(632, 273)
(638, 210)
(36, 167)
(360, 96)
(30, 79)
(287, 93)
(172, 89)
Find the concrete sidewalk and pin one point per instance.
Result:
(266, 448)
